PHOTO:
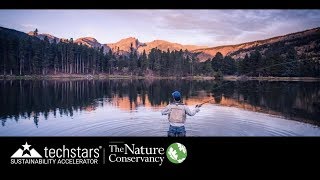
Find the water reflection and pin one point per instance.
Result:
(27, 99)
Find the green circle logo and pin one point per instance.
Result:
(176, 153)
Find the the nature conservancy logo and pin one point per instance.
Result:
(60, 155)
(132, 153)
(176, 153)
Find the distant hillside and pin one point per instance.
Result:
(304, 41)
(86, 41)
(12, 32)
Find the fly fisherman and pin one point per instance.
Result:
(177, 115)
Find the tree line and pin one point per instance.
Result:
(28, 55)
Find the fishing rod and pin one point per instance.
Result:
(199, 105)
(259, 69)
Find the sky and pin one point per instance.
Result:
(194, 27)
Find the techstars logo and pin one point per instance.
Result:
(57, 155)
(28, 155)
(26, 152)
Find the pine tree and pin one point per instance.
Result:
(229, 66)
(102, 61)
(291, 66)
(132, 59)
(35, 32)
(217, 62)
(254, 62)
(244, 65)
(71, 54)
(3, 53)
(22, 56)
(12, 55)
(36, 58)
(46, 54)
(157, 62)
(144, 61)
(208, 67)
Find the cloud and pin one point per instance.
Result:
(236, 26)
(200, 27)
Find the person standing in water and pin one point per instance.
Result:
(177, 112)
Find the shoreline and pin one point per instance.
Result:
(269, 78)
(96, 77)
(105, 76)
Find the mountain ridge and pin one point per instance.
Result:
(228, 49)
(123, 46)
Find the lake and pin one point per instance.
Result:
(132, 107)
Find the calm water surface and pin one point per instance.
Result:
(132, 108)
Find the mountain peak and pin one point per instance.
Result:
(160, 41)
(88, 41)
(124, 45)
(129, 40)
(31, 33)
(42, 36)
(87, 38)
(165, 45)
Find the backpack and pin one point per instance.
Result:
(178, 113)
